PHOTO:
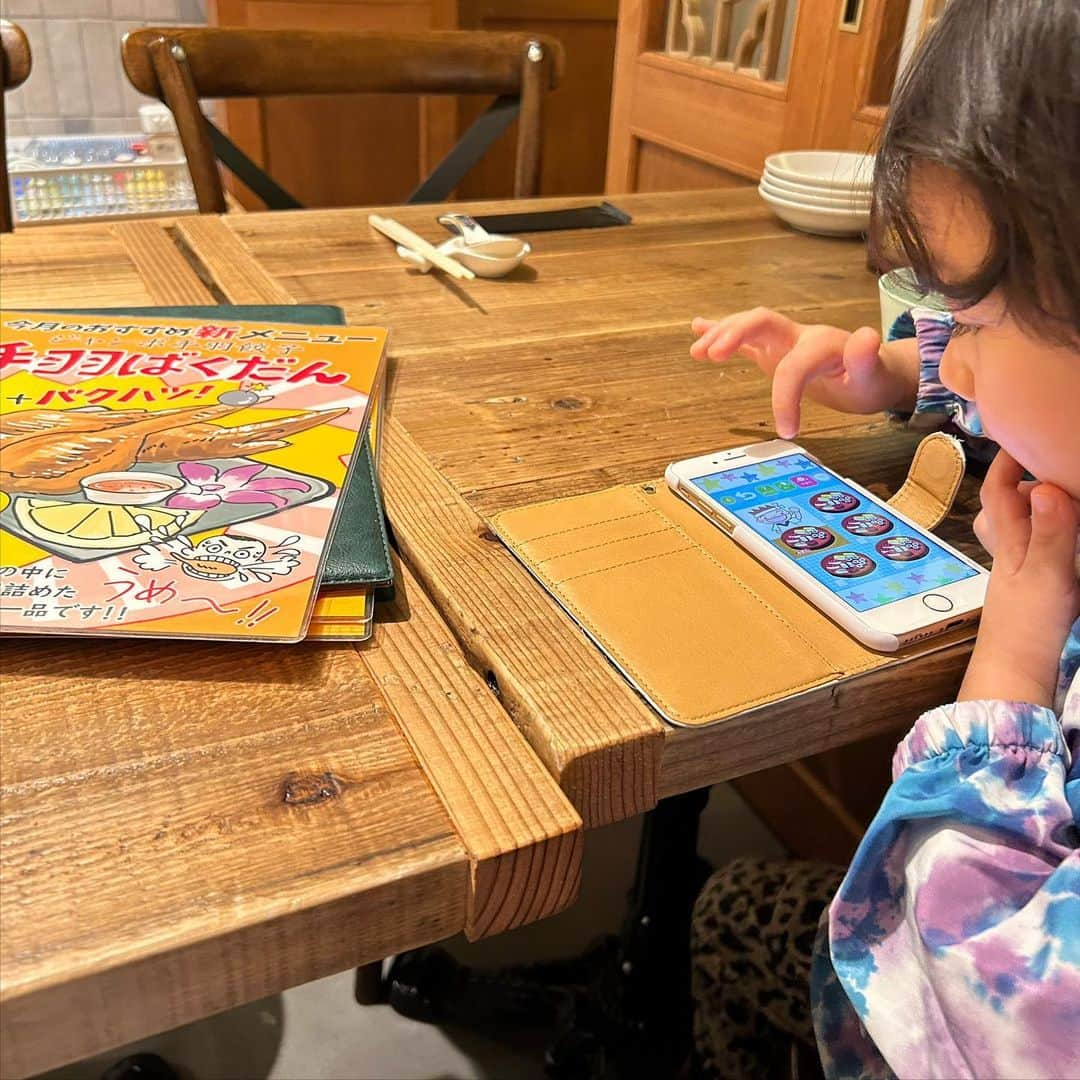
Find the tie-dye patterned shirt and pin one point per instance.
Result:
(953, 945)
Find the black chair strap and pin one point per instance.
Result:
(468, 150)
(256, 178)
(446, 176)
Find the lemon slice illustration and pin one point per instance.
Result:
(83, 525)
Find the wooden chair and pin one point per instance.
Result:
(181, 64)
(14, 69)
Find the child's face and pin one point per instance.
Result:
(1027, 390)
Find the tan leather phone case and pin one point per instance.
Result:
(699, 626)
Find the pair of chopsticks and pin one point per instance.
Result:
(408, 239)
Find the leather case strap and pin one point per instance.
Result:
(933, 480)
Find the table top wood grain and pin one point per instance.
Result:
(569, 376)
(187, 828)
(190, 826)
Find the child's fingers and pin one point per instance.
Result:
(983, 527)
(701, 327)
(1055, 523)
(862, 355)
(757, 327)
(810, 358)
(700, 349)
(1007, 509)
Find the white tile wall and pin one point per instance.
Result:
(77, 83)
(14, 8)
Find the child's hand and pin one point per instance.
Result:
(850, 372)
(1034, 597)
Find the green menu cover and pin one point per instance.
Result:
(359, 553)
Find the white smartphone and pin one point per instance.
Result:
(883, 578)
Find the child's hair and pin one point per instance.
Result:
(993, 95)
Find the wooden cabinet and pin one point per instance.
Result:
(370, 149)
(705, 90)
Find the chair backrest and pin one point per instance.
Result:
(14, 70)
(181, 64)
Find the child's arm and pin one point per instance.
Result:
(850, 372)
(956, 932)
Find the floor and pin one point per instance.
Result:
(318, 1032)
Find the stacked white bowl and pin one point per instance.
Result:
(820, 191)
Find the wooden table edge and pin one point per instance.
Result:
(505, 867)
(67, 1018)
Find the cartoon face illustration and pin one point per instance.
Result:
(219, 557)
(847, 564)
(903, 548)
(222, 558)
(776, 516)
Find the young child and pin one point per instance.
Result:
(952, 948)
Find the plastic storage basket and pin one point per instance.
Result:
(94, 177)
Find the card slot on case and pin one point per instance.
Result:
(672, 659)
(605, 549)
(547, 521)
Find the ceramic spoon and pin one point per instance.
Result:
(487, 255)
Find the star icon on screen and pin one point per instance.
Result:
(749, 477)
(916, 579)
(857, 597)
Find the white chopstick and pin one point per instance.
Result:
(408, 239)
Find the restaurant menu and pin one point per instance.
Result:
(175, 477)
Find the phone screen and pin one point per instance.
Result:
(855, 548)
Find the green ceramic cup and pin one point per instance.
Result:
(898, 292)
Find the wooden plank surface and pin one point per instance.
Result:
(569, 376)
(218, 250)
(189, 827)
(521, 833)
(518, 636)
(96, 265)
(168, 276)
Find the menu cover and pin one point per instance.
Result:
(359, 555)
(173, 477)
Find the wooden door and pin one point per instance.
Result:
(705, 90)
(863, 56)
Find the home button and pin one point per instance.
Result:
(936, 602)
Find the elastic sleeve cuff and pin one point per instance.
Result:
(1004, 725)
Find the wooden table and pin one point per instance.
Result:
(193, 826)
(571, 376)
(188, 831)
